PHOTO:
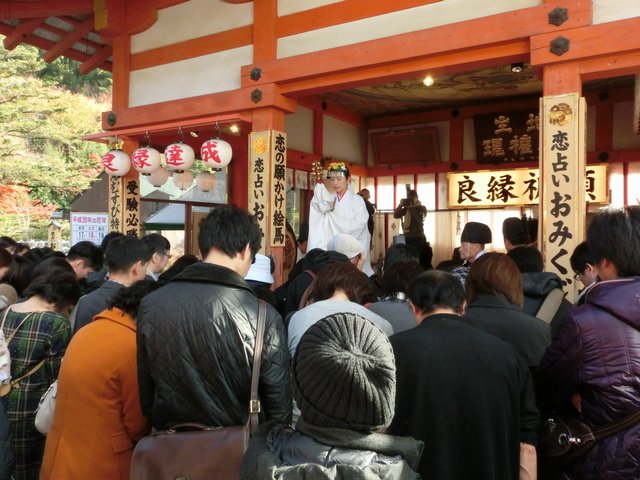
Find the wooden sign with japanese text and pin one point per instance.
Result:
(563, 179)
(115, 204)
(507, 137)
(278, 222)
(131, 214)
(515, 187)
(259, 175)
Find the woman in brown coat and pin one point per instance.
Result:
(97, 418)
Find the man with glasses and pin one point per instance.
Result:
(159, 251)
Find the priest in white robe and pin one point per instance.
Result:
(337, 210)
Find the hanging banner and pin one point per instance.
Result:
(131, 215)
(515, 187)
(278, 222)
(563, 178)
(115, 204)
(259, 174)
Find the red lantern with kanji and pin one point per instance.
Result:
(116, 163)
(216, 153)
(179, 157)
(146, 160)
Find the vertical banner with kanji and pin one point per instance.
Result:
(115, 204)
(563, 194)
(278, 222)
(259, 176)
(131, 215)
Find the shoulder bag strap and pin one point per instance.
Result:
(606, 430)
(308, 290)
(254, 402)
(15, 381)
(550, 306)
(29, 373)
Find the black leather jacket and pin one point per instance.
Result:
(196, 340)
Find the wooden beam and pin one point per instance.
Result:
(460, 36)
(52, 8)
(200, 106)
(588, 42)
(446, 62)
(23, 30)
(69, 40)
(612, 65)
(96, 59)
(561, 79)
(265, 43)
(45, 44)
(333, 110)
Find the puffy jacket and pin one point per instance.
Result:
(278, 452)
(196, 340)
(596, 352)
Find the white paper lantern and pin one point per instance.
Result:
(179, 157)
(116, 163)
(159, 177)
(216, 153)
(205, 181)
(183, 180)
(146, 160)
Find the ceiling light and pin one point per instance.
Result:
(234, 128)
(428, 80)
(194, 133)
(517, 67)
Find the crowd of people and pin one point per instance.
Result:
(414, 373)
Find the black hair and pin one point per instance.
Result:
(580, 257)
(178, 266)
(123, 252)
(614, 234)
(400, 252)
(22, 248)
(51, 263)
(6, 259)
(156, 243)
(528, 259)
(433, 289)
(88, 252)
(7, 242)
(20, 273)
(107, 238)
(60, 288)
(229, 229)
(398, 277)
(128, 299)
(38, 253)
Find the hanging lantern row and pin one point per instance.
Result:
(179, 157)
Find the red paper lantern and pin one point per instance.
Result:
(146, 160)
(216, 153)
(116, 163)
(179, 157)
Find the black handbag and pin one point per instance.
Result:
(566, 437)
(198, 452)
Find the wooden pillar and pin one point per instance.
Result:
(562, 170)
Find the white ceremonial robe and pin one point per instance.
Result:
(329, 216)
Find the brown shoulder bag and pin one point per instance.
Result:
(198, 452)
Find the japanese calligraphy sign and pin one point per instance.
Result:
(563, 178)
(131, 214)
(515, 187)
(278, 226)
(507, 137)
(259, 173)
(115, 204)
(90, 227)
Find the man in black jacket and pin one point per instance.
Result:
(196, 335)
(460, 390)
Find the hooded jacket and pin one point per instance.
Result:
(536, 286)
(596, 352)
(195, 342)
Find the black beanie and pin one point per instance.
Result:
(476, 232)
(344, 374)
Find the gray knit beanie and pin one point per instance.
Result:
(344, 374)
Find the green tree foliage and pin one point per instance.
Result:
(41, 124)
